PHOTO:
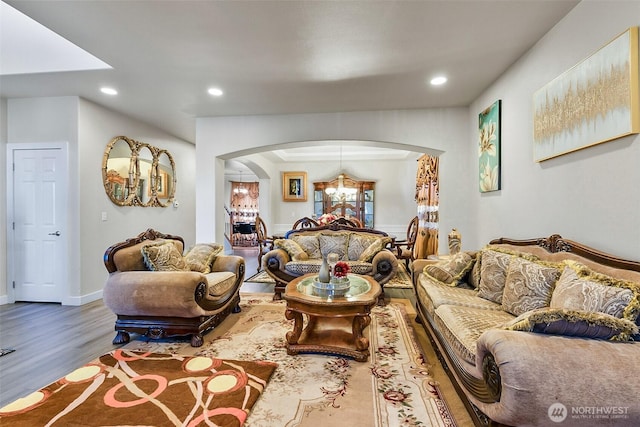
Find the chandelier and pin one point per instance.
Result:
(341, 191)
(240, 188)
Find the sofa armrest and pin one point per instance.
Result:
(538, 370)
(384, 265)
(276, 259)
(232, 263)
(154, 293)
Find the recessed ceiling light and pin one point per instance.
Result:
(437, 81)
(215, 91)
(108, 91)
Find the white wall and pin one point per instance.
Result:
(87, 128)
(591, 195)
(443, 130)
(3, 202)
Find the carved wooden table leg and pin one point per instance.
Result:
(293, 336)
(361, 342)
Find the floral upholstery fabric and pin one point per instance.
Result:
(493, 275)
(310, 244)
(528, 286)
(575, 293)
(201, 256)
(163, 256)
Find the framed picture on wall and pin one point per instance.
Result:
(489, 148)
(294, 186)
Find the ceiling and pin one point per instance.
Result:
(274, 57)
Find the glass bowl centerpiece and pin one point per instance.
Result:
(339, 283)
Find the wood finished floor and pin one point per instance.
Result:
(52, 340)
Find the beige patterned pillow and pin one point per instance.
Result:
(493, 275)
(337, 243)
(163, 256)
(358, 243)
(310, 244)
(201, 257)
(373, 249)
(295, 251)
(528, 286)
(573, 323)
(452, 270)
(575, 293)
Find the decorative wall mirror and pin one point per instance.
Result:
(138, 174)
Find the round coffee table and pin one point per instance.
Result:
(335, 323)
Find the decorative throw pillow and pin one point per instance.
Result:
(493, 275)
(295, 251)
(528, 285)
(201, 257)
(573, 323)
(358, 243)
(474, 274)
(450, 271)
(163, 256)
(586, 293)
(336, 243)
(310, 244)
(376, 246)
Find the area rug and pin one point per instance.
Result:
(402, 279)
(125, 388)
(393, 388)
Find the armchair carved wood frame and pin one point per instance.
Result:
(160, 304)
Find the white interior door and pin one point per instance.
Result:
(39, 241)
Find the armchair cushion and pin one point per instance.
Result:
(163, 256)
(201, 256)
(574, 323)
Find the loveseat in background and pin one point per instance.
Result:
(542, 344)
(301, 252)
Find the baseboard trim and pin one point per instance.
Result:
(84, 299)
(4, 299)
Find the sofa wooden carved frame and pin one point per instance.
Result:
(489, 389)
(157, 327)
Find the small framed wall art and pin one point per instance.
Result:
(489, 148)
(294, 186)
(595, 101)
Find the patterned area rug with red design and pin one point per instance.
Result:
(131, 388)
(394, 387)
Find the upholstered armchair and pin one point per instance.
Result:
(156, 291)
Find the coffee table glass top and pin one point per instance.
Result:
(357, 286)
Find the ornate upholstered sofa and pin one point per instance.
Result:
(157, 292)
(536, 332)
(301, 252)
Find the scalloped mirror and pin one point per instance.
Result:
(138, 174)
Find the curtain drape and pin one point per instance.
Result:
(244, 201)
(428, 199)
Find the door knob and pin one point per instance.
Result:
(57, 233)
